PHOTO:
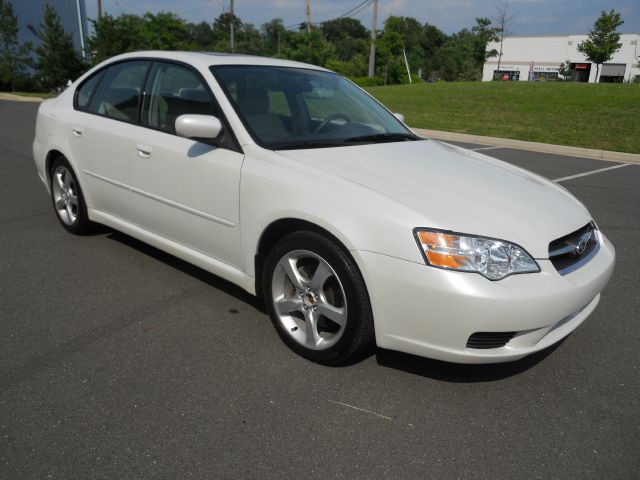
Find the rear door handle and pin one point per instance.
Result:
(77, 131)
(144, 151)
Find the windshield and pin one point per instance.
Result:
(287, 108)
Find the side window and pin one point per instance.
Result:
(84, 93)
(119, 92)
(173, 91)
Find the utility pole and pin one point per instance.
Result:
(99, 8)
(80, 25)
(232, 21)
(372, 51)
(308, 16)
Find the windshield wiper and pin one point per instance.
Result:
(341, 142)
(383, 137)
(309, 144)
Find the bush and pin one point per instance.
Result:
(367, 82)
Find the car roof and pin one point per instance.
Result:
(207, 59)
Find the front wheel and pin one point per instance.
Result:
(317, 299)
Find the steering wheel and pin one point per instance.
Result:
(331, 118)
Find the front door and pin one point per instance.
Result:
(182, 189)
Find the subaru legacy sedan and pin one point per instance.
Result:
(293, 183)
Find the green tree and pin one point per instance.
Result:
(483, 33)
(603, 40)
(357, 66)
(115, 35)
(348, 35)
(222, 27)
(306, 47)
(249, 40)
(341, 28)
(272, 33)
(566, 71)
(412, 35)
(202, 35)
(58, 62)
(389, 61)
(164, 31)
(14, 58)
(432, 41)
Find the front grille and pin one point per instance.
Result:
(570, 252)
(489, 339)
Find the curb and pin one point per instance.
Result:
(605, 155)
(19, 98)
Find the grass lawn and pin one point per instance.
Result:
(600, 116)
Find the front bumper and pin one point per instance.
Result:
(432, 312)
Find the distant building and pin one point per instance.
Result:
(538, 58)
(72, 13)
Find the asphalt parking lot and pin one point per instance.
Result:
(119, 361)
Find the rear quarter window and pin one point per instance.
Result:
(86, 90)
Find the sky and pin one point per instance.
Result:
(531, 17)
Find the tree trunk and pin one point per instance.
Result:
(597, 73)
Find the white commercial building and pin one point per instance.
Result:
(538, 58)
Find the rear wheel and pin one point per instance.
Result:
(317, 299)
(67, 198)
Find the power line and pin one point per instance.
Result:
(349, 13)
(355, 10)
(359, 7)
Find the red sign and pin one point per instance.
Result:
(582, 66)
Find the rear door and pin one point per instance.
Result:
(182, 189)
(106, 109)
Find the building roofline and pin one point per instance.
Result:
(566, 35)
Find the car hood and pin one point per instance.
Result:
(457, 189)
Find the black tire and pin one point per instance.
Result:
(64, 185)
(356, 336)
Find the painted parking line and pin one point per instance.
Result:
(485, 148)
(578, 175)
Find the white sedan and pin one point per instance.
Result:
(293, 183)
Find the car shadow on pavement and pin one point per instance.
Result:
(457, 372)
(425, 367)
(189, 269)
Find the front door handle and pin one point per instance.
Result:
(77, 131)
(144, 151)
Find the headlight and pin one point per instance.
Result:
(492, 258)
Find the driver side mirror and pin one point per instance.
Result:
(399, 116)
(198, 127)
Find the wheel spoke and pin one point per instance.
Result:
(289, 265)
(287, 305)
(322, 273)
(73, 200)
(67, 179)
(60, 181)
(60, 204)
(333, 313)
(310, 328)
(70, 213)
